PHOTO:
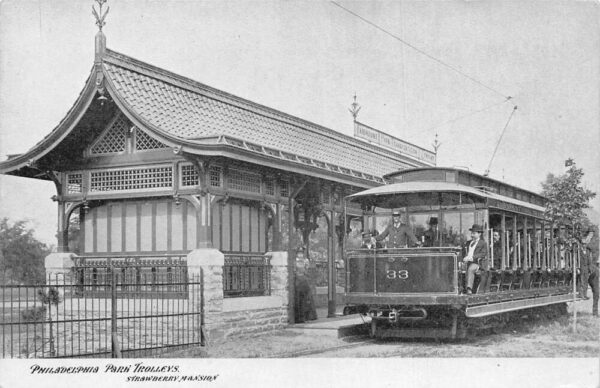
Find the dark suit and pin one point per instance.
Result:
(480, 260)
(480, 255)
(497, 248)
(431, 238)
(304, 306)
(590, 277)
(399, 236)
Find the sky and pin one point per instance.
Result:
(308, 58)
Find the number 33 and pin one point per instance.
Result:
(400, 274)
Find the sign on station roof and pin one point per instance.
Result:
(380, 138)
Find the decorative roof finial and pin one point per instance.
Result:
(355, 108)
(100, 16)
(436, 144)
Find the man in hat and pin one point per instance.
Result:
(594, 281)
(304, 306)
(476, 255)
(589, 272)
(589, 277)
(399, 234)
(430, 237)
(367, 240)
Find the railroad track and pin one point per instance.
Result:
(357, 341)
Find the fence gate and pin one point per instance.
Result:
(105, 307)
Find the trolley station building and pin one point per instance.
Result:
(152, 165)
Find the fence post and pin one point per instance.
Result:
(116, 349)
(57, 264)
(279, 277)
(58, 277)
(206, 264)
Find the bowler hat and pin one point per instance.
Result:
(433, 221)
(476, 228)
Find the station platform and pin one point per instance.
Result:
(340, 325)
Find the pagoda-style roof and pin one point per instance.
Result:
(199, 119)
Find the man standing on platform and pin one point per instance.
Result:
(400, 235)
(589, 277)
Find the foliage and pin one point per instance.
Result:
(566, 197)
(34, 314)
(295, 239)
(594, 244)
(74, 232)
(51, 296)
(21, 254)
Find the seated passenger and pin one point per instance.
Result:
(430, 237)
(497, 250)
(400, 235)
(476, 255)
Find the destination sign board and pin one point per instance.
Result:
(373, 135)
(514, 208)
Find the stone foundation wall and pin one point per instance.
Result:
(239, 323)
(232, 317)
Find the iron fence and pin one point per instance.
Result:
(111, 317)
(136, 275)
(246, 274)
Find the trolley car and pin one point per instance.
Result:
(419, 291)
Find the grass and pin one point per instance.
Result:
(533, 337)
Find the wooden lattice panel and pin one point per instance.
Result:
(325, 194)
(148, 178)
(74, 182)
(269, 186)
(114, 140)
(244, 181)
(284, 188)
(144, 142)
(215, 176)
(189, 175)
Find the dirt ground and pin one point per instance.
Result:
(530, 338)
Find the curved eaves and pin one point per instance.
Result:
(135, 117)
(50, 141)
(213, 148)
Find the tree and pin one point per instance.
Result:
(567, 198)
(74, 232)
(21, 254)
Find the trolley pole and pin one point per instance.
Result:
(574, 267)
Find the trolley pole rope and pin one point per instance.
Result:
(573, 262)
(487, 171)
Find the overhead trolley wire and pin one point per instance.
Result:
(421, 51)
(471, 113)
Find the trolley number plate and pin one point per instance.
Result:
(397, 274)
